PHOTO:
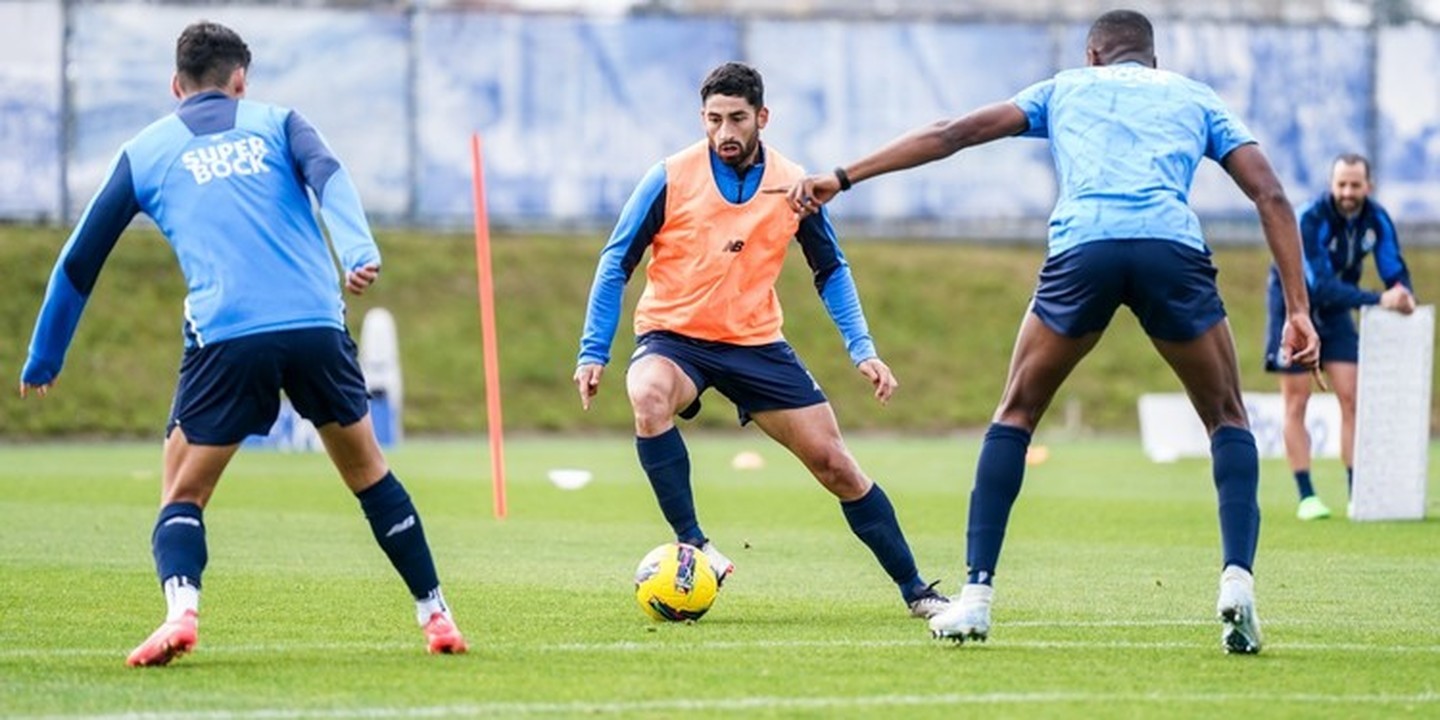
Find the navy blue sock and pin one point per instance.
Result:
(998, 475)
(1302, 483)
(1350, 481)
(1236, 467)
(178, 543)
(397, 528)
(872, 519)
(667, 463)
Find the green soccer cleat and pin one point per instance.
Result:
(1311, 508)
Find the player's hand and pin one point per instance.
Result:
(40, 390)
(1399, 299)
(361, 278)
(810, 192)
(587, 381)
(1299, 343)
(878, 373)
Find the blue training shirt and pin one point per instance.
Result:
(644, 215)
(225, 180)
(1126, 140)
(1335, 250)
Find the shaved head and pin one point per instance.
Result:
(1121, 36)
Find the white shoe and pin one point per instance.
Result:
(718, 562)
(966, 619)
(1236, 608)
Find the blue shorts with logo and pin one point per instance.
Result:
(1339, 340)
(1169, 286)
(231, 389)
(754, 377)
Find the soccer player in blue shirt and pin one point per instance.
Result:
(1338, 230)
(226, 180)
(1126, 139)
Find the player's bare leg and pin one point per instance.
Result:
(1211, 375)
(191, 473)
(813, 435)
(1040, 362)
(1295, 394)
(396, 525)
(658, 391)
(1344, 379)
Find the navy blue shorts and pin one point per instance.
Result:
(1339, 340)
(1170, 287)
(231, 389)
(754, 377)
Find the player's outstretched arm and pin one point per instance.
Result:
(1251, 170)
(922, 145)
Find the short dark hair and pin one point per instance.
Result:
(208, 53)
(735, 80)
(1351, 158)
(1122, 32)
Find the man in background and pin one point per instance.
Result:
(225, 179)
(1339, 230)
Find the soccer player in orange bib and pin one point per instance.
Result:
(710, 317)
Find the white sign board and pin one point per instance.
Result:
(1392, 414)
(1170, 429)
(380, 361)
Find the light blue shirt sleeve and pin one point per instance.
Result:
(1034, 101)
(1225, 132)
(339, 200)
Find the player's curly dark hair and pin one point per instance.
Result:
(208, 53)
(735, 79)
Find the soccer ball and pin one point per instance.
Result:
(675, 582)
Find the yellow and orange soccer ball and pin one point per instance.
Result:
(675, 583)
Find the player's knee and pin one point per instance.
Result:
(651, 405)
(837, 472)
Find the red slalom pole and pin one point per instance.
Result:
(487, 332)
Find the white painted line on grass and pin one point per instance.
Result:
(658, 645)
(765, 703)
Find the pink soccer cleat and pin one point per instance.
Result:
(442, 637)
(171, 640)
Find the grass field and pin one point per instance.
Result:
(1104, 605)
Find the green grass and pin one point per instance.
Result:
(1104, 608)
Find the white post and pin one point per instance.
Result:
(1392, 414)
(380, 361)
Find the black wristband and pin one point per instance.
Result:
(844, 179)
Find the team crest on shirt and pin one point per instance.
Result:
(1368, 240)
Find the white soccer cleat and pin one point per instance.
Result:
(1236, 608)
(718, 562)
(965, 619)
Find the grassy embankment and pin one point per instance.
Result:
(944, 316)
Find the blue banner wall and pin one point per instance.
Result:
(1408, 105)
(839, 90)
(30, 117)
(571, 110)
(574, 109)
(344, 71)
